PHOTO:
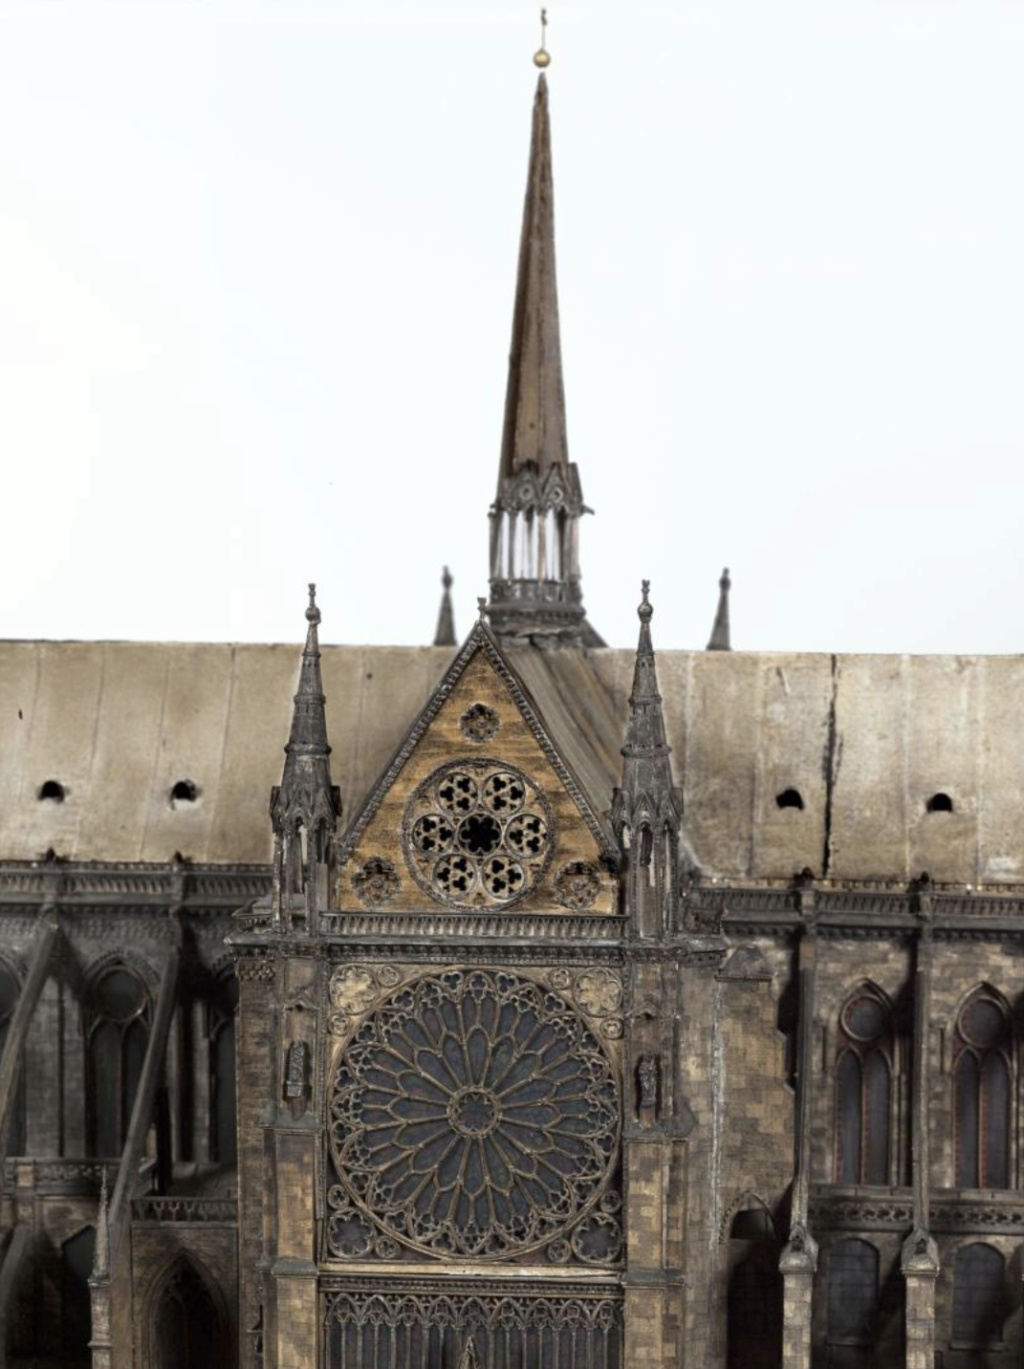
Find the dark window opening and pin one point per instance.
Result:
(754, 1310)
(9, 992)
(223, 1128)
(789, 798)
(187, 1329)
(864, 1091)
(53, 791)
(77, 1256)
(753, 1224)
(185, 791)
(852, 1293)
(979, 1296)
(939, 803)
(981, 1094)
(117, 1034)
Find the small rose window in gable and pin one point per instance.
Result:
(479, 723)
(477, 834)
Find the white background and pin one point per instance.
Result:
(256, 275)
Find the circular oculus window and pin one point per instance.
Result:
(982, 1022)
(864, 1019)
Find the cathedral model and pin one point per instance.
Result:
(573, 1012)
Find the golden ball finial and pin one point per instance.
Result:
(542, 58)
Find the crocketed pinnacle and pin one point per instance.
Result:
(534, 433)
(305, 793)
(719, 639)
(647, 793)
(445, 634)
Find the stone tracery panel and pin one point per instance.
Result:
(474, 1114)
(368, 1330)
(477, 833)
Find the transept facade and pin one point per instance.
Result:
(580, 1009)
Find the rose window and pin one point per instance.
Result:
(475, 1115)
(478, 834)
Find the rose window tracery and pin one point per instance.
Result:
(474, 1114)
(477, 834)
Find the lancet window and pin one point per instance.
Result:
(9, 990)
(221, 1037)
(117, 1031)
(981, 1090)
(864, 1069)
(979, 1296)
(852, 1293)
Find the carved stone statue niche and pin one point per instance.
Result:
(296, 1077)
(648, 1089)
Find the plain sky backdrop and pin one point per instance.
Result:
(256, 274)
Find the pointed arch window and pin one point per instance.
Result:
(864, 1066)
(187, 1328)
(117, 1032)
(982, 1053)
(979, 1297)
(754, 1300)
(852, 1293)
(10, 988)
(221, 1036)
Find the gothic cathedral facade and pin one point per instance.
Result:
(577, 1011)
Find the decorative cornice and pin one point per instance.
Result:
(223, 1211)
(952, 1213)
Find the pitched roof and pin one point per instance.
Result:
(865, 740)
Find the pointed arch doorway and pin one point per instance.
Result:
(188, 1327)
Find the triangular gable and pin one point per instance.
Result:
(382, 866)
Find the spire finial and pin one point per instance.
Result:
(481, 606)
(645, 611)
(542, 58)
(647, 791)
(720, 637)
(445, 633)
(305, 793)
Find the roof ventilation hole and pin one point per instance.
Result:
(939, 803)
(789, 798)
(185, 791)
(53, 791)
